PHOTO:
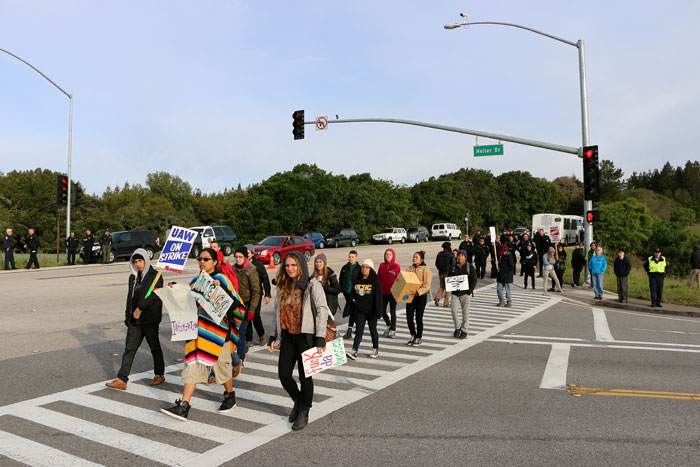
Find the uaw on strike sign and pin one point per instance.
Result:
(176, 249)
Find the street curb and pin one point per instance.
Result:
(634, 307)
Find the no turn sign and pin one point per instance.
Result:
(322, 123)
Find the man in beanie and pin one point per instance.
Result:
(367, 307)
(461, 298)
(622, 268)
(444, 263)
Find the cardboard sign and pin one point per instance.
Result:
(492, 231)
(455, 283)
(176, 249)
(332, 357)
(404, 283)
(211, 297)
(182, 310)
(554, 234)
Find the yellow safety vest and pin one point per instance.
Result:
(657, 267)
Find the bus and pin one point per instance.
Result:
(568, 228)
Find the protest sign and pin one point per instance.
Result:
(492, 231)
(554, 234)
(182, 310)
(332, 357)
(455, 283)
(176, 249)
(212, 298)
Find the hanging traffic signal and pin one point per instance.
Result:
(77, 194)
(62, 190)
(591, 174)
(298, 124)
(592, 216)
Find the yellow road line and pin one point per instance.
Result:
(577, 391)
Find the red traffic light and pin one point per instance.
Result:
(588, 153)
(592, 216)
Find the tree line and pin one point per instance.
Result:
(310, 198)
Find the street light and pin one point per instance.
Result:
(587, 204)
(70, 130)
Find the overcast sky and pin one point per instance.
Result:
(205, 90)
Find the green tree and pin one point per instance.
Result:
(611, 181)
(625, 224)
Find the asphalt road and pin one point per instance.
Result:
(503, 396)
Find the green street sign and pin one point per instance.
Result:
(490, 150)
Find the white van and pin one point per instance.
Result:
(559, 228)
(446, 231)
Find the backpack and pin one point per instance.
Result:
(442, 262)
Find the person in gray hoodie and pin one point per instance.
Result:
(301, 317)
(142, 317)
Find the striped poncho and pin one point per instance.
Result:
(211, 337)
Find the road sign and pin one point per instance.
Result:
(322, 123)
(490, 150)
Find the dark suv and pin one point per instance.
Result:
(221, 233)
(342, 237)
(416, 234)
(124, 243)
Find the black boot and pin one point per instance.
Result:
(295, 410)
(302, 418)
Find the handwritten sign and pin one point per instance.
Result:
(182, 311)
(211, 297)
(332, 357)
(455, 283)
(176, 249)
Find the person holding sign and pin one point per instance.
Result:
(420, 298)
(143, 316)
(461, 298)
(213, 345)
(301, 317)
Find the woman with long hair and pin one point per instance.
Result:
(326, 276)
(301, 317)
(388, 272)
(420, 297)
(560, 266)
(549, 259)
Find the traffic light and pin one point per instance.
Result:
(591, 174)
(298, 124)
(62, 190)
(77, 194)
(592, 216)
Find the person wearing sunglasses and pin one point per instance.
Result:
(212, 348)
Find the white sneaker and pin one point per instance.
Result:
(374, 354)
(352, 355)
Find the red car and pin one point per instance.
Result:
(277, 246)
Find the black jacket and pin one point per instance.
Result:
(106, 240)
(622, 266)
(543, 243)
(33, 242)
(444, 261)
(151, 307)
(264, 279)
(506, 268)
(367, 295)
(466, 269)
(345, 280)
(522, 248)
(529, 259)
(88, 241)
(332, 289)
(467, 246)
(695, 258)
(481, 252)
(71, 243)
(8, 242)
(578, 258)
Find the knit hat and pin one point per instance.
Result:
(462, 252)
(242, 250)
(323, 258)
(551, 249)
(447, 245)
(250, 247)
(369, 263)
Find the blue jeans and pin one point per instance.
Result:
(598, 280)
(499, 290)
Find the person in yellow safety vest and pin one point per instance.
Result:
(656, 266)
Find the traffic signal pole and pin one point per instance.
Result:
(587, 204)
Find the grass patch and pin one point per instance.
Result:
(45, 260)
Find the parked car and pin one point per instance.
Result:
(517, 233)
(315, 237)
(416, 234)
(124, 243)
(446, 231)
(276, 247)
(390, 235)
(221, 233)
(342, 237)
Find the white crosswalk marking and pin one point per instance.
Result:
(262, 403)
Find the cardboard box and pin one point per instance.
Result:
(405, 282)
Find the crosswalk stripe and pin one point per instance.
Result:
(36, 454)
(143, 447)
(194, 428)
(275, 383)
(325, 376)
(347, 368)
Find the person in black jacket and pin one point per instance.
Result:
(521, 246)
(578, 261)
(468, 247)
(33, 246)
(349, 274)
(530, 258)
(88, 241)
(481, 253)
(542, 242)
(367, 307)
(265, 294)
(622, 269)
(694, 266)
(462, 298)
(506, 268)
(8, 245)
(142, 317)
(71, 247)
(443, 263)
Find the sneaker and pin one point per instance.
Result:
(348, 334)
(352, 355)
(392, 334)
(180, 410)
(229, 402)
(457, 333)
(411, 341)
(386, 331)
(417, 342)
(462, 334)
(374, 354)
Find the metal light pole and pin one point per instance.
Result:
(587, 205)
(70, 131)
